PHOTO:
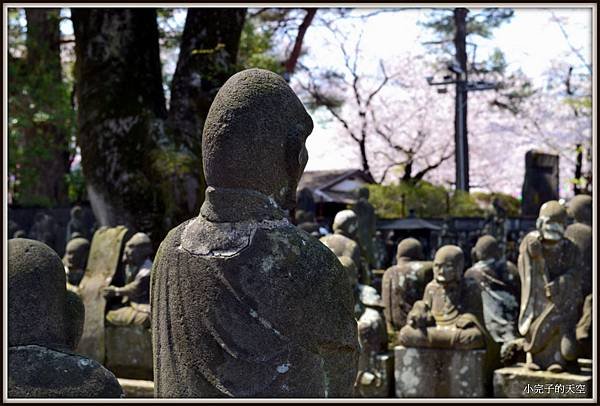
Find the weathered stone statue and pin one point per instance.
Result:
(404, 283)
(490, 277)
(583, 331)
(580, 232)
(136, 292)
(550, 292)
(342, 241)
(352, 275)
(76, 224)
(75, 259)
(45, 322)
(371, 380)
(367, 222)
(44, 229)
(447, 317)
(305, 200)
(305, 220)
(243, 303)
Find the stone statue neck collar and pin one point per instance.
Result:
(226, 205)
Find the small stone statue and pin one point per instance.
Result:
(75, 224)
(367, 223)
(580, 232)
(352, 274)
(550, 292)
(305, 200)
(75, 259)
(491, 277)
(404, 283)
(136, 292)
(43, 333)
(447, 317)
(583, 332)
(373, 341)
(342, 241)
(243, 303)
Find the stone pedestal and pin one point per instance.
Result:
(520, 382)
(378, 382)
(435, 373)
(129, 351)
(135, 388)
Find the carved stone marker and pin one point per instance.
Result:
(103, 262)
(44, 324)
(243, 303)
(541, 181)
(367, 222)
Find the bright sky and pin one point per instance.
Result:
(530, 41)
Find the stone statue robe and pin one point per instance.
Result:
(246, 305)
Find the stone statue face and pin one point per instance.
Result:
(258, 119)
(551, 221)
(448, 265)
(137, 249)
(76, 253)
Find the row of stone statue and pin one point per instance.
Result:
(245, 304)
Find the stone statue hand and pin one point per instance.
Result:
(419, 316)
(109, 292)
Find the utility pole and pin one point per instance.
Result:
(462, 86)
(460, 107)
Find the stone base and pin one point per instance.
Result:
(134, 388)
(380, 386)
(129, 351)
(520, 382)
(435, 373)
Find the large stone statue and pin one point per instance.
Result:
(136, 292)
(45, 322)
(404, 283)
(243, 303)
(76, 224)
(342, 241)
(448, 315)
(580, 232)
(75, 260)
(550, 292)
(367, 223)
(490, 277)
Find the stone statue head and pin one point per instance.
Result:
(345, 222)
(551, 221)
(76, 212)
(137, 249)
(76, 253)
(410, 248)
(351, 269)
(37, 298)
(486, 248)
(580, 208)
(254, 136)
(448, 265)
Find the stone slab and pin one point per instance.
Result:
(129, 351)
(105, 255)
(136, 388)
(520, 382)
(436, 373)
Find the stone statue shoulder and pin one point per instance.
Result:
(532, 244)
(40, 372)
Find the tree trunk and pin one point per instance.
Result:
(121, 107)
(46, 140)
(207, 58)
(290, 64)
(460, 117)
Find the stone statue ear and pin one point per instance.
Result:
(293, 145)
